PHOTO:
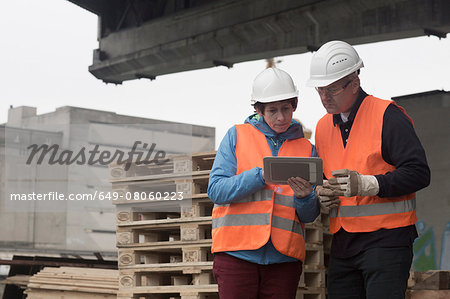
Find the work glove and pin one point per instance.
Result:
(353, 184)
(328, 198)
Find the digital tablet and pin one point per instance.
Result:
(278, 169)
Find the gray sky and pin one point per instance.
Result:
(47, 46)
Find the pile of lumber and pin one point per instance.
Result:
(73, 283)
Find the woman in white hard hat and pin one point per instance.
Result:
(258, 237)
(370, 147)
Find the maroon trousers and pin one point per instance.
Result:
(239, 279)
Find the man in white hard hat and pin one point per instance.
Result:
(375, 163)
(258, 238)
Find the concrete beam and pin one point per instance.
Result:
(227, 32)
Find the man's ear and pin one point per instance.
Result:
(355, 85)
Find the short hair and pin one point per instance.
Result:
(261, 106)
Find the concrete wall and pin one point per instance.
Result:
(430, 112)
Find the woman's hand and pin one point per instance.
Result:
(300, 186)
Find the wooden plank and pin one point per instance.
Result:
(19, 280)
(170, 267)
(427, 294)
(55, 294)
(157, 246)
(161, 178)
(212, 288)
(71, 288)
(162, 223)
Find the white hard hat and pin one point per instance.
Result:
(273, 85)
(333, 61)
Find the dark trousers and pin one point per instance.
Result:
(239, 279)
(373, 274)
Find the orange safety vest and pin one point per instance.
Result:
(248, 224)
(363, 154)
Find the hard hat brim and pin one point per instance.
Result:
(276, 98)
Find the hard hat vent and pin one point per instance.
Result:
(339, 61)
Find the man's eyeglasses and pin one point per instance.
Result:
(334, 91)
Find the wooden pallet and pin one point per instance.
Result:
(184, 229)
(199, 206)
(176, 164)
(132, 279)
(56, 294)
(164, 187)
(177, 251)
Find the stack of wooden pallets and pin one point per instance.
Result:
(318, 243)
(164, 250)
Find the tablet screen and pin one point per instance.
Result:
(279, 169)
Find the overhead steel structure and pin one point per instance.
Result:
(148, 38)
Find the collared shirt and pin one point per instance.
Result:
(400, 147)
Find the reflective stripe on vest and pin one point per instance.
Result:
(363, 154)
(241, 219)
(263, 195)
(288, 225)
(248, 223)
(258, 219)
(261, 219)
(375, 209)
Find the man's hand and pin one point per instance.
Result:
(328, 198)
(300, 186)
(328, 202)
(352, 183)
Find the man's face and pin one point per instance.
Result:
(339, 96)
(278, 115)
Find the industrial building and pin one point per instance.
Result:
(80, 227)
